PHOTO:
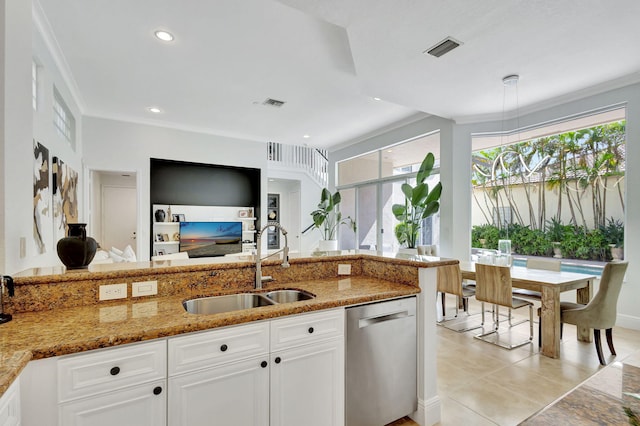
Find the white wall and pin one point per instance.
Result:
(117, 145)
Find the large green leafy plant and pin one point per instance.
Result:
(327, 217)
(419, 204)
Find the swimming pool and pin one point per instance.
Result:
(568, 267)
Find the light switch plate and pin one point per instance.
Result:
(344, 269)
(144, 288)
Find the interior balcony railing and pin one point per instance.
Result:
(312, 160)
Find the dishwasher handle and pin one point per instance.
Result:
(365, 322)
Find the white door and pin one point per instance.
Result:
(307, 385)
(231, 394)
(119, 213)
(143, 405)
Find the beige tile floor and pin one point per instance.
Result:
(482, 384)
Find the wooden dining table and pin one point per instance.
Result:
(550, 284)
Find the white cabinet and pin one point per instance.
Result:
(10, 405)
(307, 369)
(232, 376)
(287, 371)
(221, 374)
(123, 386)
(142, 405)
(307, 385)
(232, 394)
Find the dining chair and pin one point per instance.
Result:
(493, 285)
(449, 281)
(600, 313)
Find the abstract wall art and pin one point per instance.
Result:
(42, 231)
(65, 196)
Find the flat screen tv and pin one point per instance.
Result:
(207, 239)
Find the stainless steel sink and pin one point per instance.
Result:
(228, 303)
(286, 296)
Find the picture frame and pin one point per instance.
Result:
(161, 252)
(181, 218)
(165, 237)
(159, 238)
(175, 218)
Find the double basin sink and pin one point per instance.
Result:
(235, 302)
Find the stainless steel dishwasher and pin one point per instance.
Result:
(381, 378)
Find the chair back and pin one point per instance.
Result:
(601, 311)
(450, 279)
(493, 284)
(546, 264)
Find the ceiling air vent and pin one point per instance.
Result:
(273, 102)
(445, 46)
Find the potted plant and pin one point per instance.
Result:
(555, 232)
(419, 204)
(613, 233)
(327, 218)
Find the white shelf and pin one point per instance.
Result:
(165, 243)
(166, 223)
(247, 218)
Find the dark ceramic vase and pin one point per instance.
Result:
(76, 250)
(160, 215)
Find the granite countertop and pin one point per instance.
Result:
(47, 333)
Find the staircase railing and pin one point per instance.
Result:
(313, 160)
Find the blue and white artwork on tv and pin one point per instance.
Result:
(206, 239)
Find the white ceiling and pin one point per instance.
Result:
(327, 59)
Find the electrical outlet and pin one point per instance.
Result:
(113, 291)
(144, 288)
(344, 269)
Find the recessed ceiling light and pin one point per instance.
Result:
(377, 99)
(154, 110)
(164, 35)
(306, 136)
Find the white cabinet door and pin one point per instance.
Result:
(307, 385)
(230, 394)
(10, 405)
(143, 405)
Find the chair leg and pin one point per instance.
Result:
(530, 322)
(444, 312)
(596, 339)
(609, 333)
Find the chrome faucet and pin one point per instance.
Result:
(285, 254)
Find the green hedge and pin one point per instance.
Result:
(577, 242)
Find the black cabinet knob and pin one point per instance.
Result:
(157, 390)
(114, 371)
(263, 364)
(310, 330)
(277, 360)
(224, 348)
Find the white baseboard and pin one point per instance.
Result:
(628, 321)
(428, 412)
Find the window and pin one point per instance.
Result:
(373, 182)
(63, 120)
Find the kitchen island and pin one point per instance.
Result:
(58, 312)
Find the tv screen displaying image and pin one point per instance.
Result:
(207, 239)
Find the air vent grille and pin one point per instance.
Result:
(445, 46)
(273, 102)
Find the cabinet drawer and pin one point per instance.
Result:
(110, 369)
(200, 350)
(308, 328)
